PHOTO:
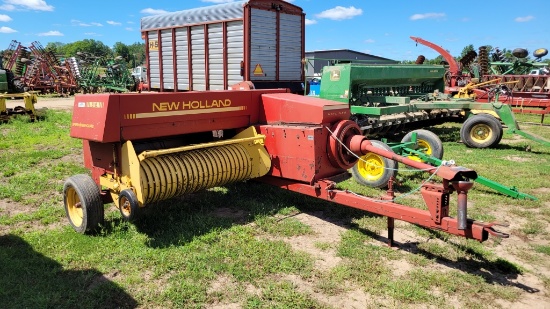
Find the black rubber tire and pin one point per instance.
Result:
(540, 52)
(520, 53)
(376, 176)
(19, 86)
(83, 204)
(426, 140)
(481, 131)
(128, 205)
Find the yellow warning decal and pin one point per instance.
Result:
(258, 71)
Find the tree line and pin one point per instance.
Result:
(133, 54)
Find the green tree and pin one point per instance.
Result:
(90, 46)
(137, 51)
(489, 48)
(57, 47)
(133, 54)
(466, 50)
(121, 49)
(437, 60)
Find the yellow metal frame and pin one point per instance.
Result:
(29, 98)
(464, 92)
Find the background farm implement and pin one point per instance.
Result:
(528, 80)
(101, 74)
(388, 101)
(34, 68)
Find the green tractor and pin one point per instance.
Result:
(9, 83)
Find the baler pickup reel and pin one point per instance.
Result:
(146, 148)
(154, 175)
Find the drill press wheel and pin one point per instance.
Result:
(481, 131)
(374, 170)
(427, 141)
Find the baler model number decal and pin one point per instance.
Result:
(83, 125)
(91, 104)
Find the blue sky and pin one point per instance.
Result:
(379, 28)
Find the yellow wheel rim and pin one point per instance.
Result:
(481, 133)
(425, 147)
(371, 167)
(125, 207)
(74, 207)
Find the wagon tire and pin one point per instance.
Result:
(481, 131)
(427, 141)
(373, 170)
(83, 204)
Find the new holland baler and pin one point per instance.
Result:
(150, 147)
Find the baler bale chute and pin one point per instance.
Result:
(146, 148)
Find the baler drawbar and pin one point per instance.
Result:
(149, 147)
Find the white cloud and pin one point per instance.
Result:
(129, 29)
(76, 22)
(7, 30)
(113, 23)
(5, 18)
(229, 1)
(92, 34)
(427, 16)
(524, 19)
(369, 41)
(340, 13)
(51, 33)
(218, 1)
(151, 11)
(310, 22)
(7, 7)
(35, 5)
(130, 22)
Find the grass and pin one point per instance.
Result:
(235, 246)
(543, 249)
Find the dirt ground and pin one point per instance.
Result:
(64, 103)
